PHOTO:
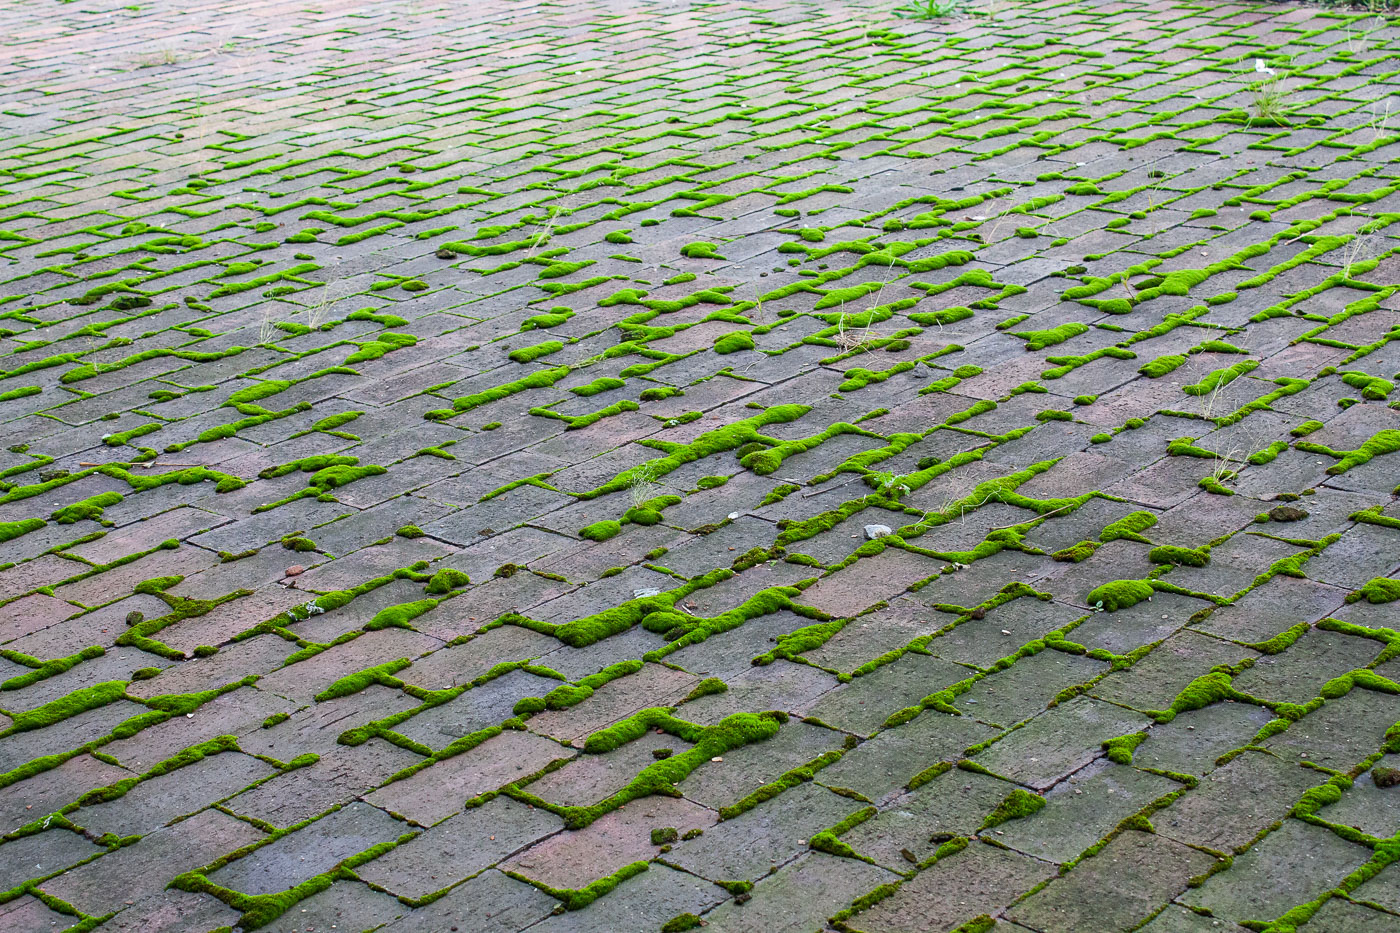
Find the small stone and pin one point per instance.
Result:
(445, 254)
(872, 532)
(1287, 513)
(295, 570)
(645, 592)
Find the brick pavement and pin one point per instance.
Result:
(629, 466)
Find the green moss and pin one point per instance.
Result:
(601, 530)
(1179, 556)
(1017, 805)
(798, 642)
(537, 380)
(658, 393)
(1120, 749)
(782, 783)
(11, 530)
(700, 251)
(707, 687)
(1119, 594)
(55, 711)
(43, 670)
(1283, 640)
(379, 346)
(89, 508)
(602, 384)
(778, 494)
(1162, 365)
(733, 343)
(353, 683)
(1220, 378)
(446, 580)
(530, 354)
(660, 777)
(680, 923)
(1040, 339)
(1129, 528)
(1076, 553)
(1378, 591)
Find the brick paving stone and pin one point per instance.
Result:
(310, 850)
(171, 911)
(42, 854)
(343, 905)
(1214, 816)
(154, 803)
(139, 870)
(637, 316)
(751, 844)
(459, 847)
(573, 860)
(492, 902)
(440, 790)
(1157, 869)
(980, 879)
(1301, 861)
(797, 896)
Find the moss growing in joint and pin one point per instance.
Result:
(1017, 804)
(1119, 594)
(1179, 556)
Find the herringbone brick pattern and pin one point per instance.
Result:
(628, 466)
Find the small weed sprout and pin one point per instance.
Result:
(1380, 119)
(165, 56)
(931, 9)
(321, 311)
(641, 485)
(1269, 95)
(267, 328)
(887, 482)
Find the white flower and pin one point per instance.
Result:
(1261, 68)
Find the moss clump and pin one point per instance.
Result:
(446, 580)
(411, 531)
(1040, 339)
(1129, 528)
(530, 354)
(602, 384)
(1076, 553)
(658, 393)
(1179, 556)
(1377, 591)
(733, 343)
(1019, 803)
(601, 531)
(1120, 749)
(700, 251)
(11, 530)
(1119, 594)
(1385, 777)
(680, 923)
(664, 836)
(301, 545)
